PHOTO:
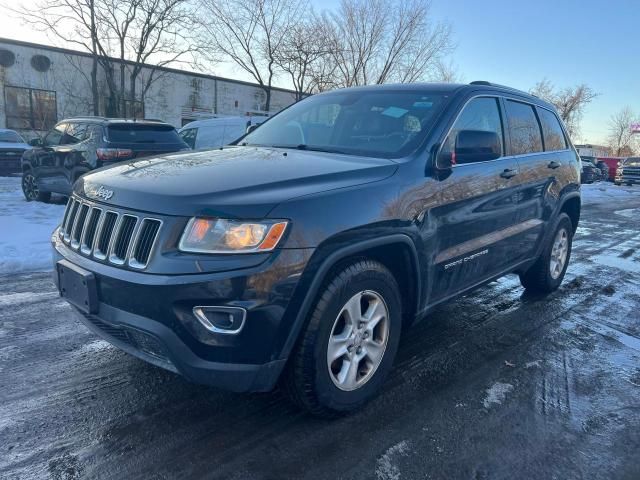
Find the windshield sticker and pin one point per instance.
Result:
(423, 104)
(394, 112)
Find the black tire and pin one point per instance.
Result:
(539, 277)
(30, 189)
(307, 379)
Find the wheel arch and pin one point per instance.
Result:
(572, 205)
(396, 252)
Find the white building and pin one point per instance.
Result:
(593, 150)
(42, 85)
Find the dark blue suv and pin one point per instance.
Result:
(300, 254)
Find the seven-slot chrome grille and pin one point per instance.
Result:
(109, 235)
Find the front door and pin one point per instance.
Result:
(477, 209)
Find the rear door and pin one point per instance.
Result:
(75, 148)
(541, 149)
(477, 208)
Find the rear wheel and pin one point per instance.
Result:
(547, 273)
(31, 190)
(348, 346)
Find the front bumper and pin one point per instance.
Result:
(151, 317)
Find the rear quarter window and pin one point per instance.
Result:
(142, 133)
(552, 132)
(524, 128)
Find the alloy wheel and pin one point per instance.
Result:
(358, 340)
(559, 252)
(30, 186)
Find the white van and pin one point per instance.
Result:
(217, 132)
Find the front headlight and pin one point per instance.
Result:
(217, 235)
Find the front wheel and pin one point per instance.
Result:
(547, 273)
(31, 190)
(349, 344)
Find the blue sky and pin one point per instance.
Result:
(518, 43)
(566, 41)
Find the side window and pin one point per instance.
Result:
(551, 131)
(524, 128)
(480, 114)
(55, 135)
(94, 133)
(189, 136)
(76, 133)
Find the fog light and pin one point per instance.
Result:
(229, 320)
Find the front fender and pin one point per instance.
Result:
(319, 267)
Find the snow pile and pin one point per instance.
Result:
(496, 394)
(606, 192)
(25, 229)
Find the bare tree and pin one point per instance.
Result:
(144, 34)
(621, 136)
(250, 33)
(569, 101)
(121, 35)
(304, 46)
(72, 21)
(382, 41)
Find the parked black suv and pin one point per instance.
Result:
(590, 172)
(77, 145)
(300, 253)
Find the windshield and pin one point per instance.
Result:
(143, 133)
(10, 137)
(384, 124)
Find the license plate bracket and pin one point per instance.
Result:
(77, 286)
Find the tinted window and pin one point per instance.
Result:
(524, 128)
(551, 131)
(143, 133)
(383, 123)
(189, 136)
(479, 114)
(55, 136)
(94, 132)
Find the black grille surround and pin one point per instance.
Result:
(109, 235)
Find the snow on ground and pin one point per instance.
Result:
(25, 229)
(606, 191)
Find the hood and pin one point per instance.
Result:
(14, 146)
(244, 182)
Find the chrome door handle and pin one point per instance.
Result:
(554, 165)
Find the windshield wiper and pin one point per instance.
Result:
(311, 148)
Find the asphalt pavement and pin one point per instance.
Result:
(495, 385)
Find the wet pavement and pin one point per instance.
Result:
(497, 384)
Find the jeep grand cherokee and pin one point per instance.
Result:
(300, 254)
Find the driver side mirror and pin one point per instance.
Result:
(251, 128)
(36, 142)
(471, 146)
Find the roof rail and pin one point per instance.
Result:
(490, 84)
(88, 117)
